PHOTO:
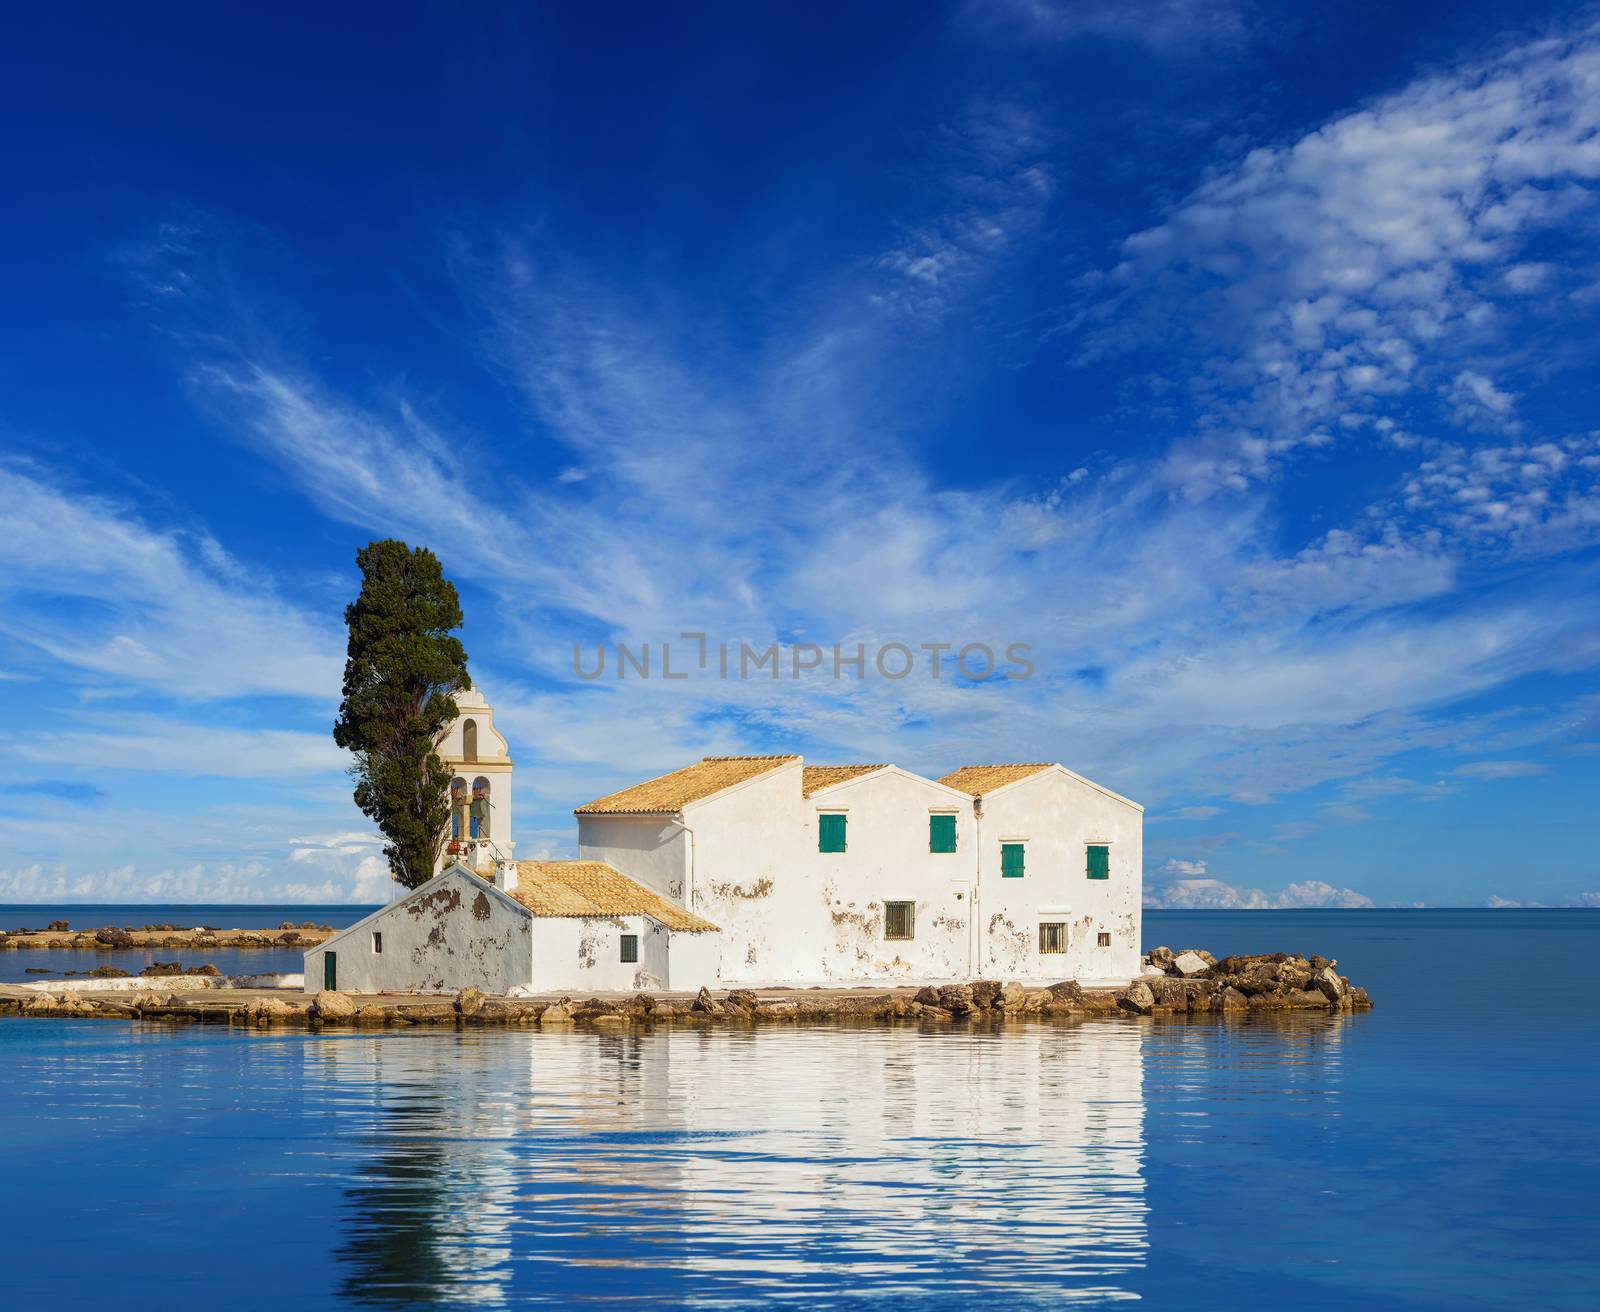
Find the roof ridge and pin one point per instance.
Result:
(758, 756)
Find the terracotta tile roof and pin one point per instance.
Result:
(977, 780)
(595, 888)
(817, 777)
(672, 792)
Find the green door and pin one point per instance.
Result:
(330, 970)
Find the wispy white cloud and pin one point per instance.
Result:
(1360, 268)
(93, 588)
(1492, 770)
(1215, 895)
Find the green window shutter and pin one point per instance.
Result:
(941, 833)
(830, 833)
(1099, 861)
(1011, 860)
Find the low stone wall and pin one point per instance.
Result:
(1236, 986)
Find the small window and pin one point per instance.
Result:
(630, 948)
(377, 944)
(330, 970)
(1105, 939)
(899, 919)
(1053, 936)
(1099, 861)
(941, 833)
(830, 833)
(1011, 860)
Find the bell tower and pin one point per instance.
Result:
(480, 787)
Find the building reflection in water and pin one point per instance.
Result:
(702, 1166)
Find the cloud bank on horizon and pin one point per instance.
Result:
(1261, 417)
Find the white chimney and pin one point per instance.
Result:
(505, 876)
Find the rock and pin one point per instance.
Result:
(1137, 998)
(112, 937)
(558, 1013)
(369, 1013)
(38, 970)
(332, 1005)
(1065, 998)
(57, 927)
(206, 968)
(927, 995)
(743, 1002)
(1189, 964)
(145, 1000)
(1359, 999)
(706, 1005)
(289, 939)
(109, 972)
(1160, 958)
(469, 1002)
(984, 993)
(1294, 974)
(163, 968)
(1329, 985)
(782, 1009)
(262, 1012)
(1013, 997)
(1233, 1000)
(957, 999)
(1168, 992)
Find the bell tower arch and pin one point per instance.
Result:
(479, 759)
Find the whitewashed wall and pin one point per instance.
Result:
(1059, 815)
(573, 954)
(652, 849)
(792, 914)
(452, 933)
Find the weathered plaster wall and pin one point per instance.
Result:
(585, 954)
(1058, 816)
(452, 933)
(790, 913)
(654, 850)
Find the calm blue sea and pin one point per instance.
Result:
(37, 965)
(1439, 1152)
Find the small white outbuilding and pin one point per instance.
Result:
(534, 926)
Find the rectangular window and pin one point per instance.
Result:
(1053, 936)
(1105, 939)
(630, 947)
(377, 944)
(941, 833)
(899, 919)
(330, 970)
(1099, 861)
(1011, 860)
(830, 833)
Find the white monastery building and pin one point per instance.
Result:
(763, 870)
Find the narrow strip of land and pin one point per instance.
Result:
(1235, 986)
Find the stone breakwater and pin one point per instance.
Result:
(113, 938)
(1187, 983)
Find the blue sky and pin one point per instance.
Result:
(1239, 359)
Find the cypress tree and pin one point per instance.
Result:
(402, 669)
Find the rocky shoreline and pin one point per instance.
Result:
(204, 938)
(1189, 983)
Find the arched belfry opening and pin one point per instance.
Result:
(482, 811)
(479, 831)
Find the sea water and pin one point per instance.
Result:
(1437, 1152)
